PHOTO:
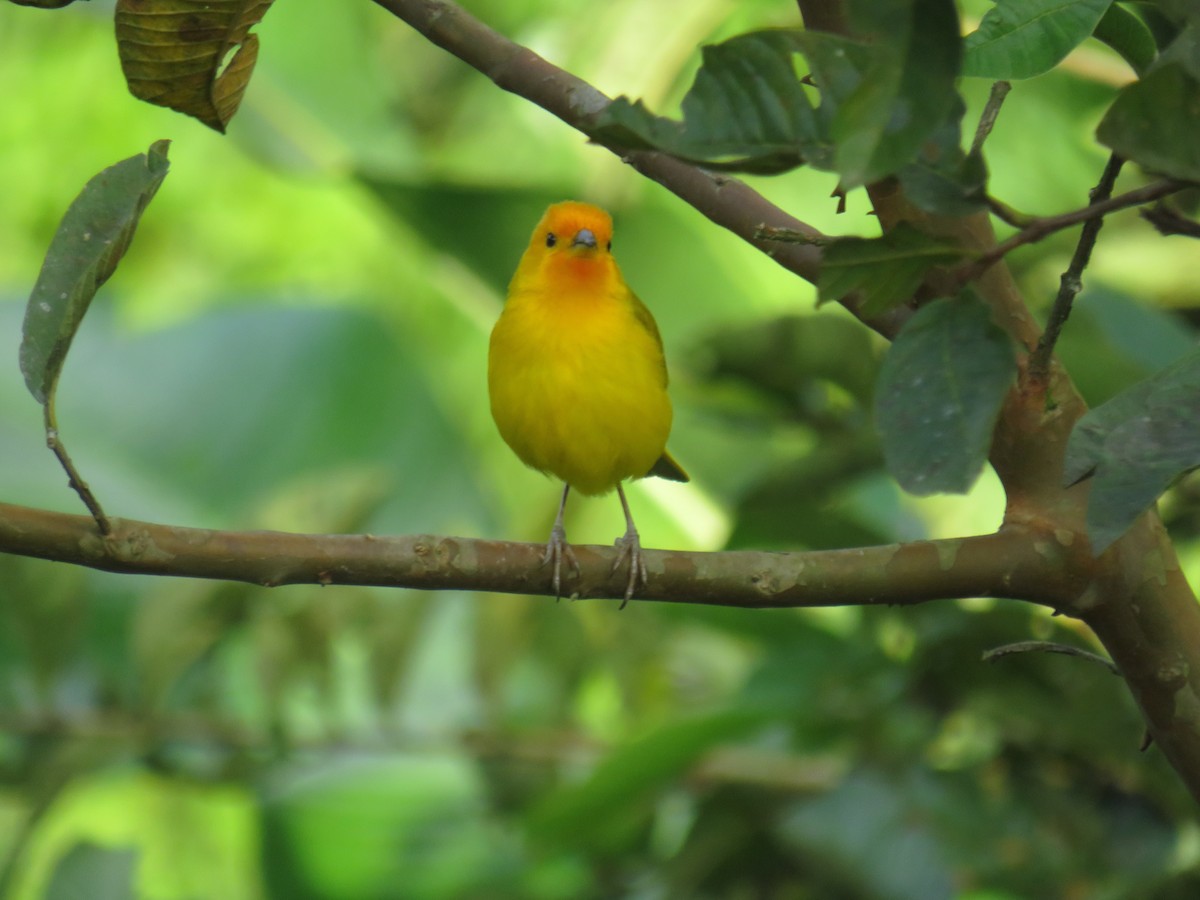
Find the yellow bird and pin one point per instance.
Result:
(576, 374)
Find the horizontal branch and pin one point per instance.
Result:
(1010, 563)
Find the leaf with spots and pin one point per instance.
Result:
(1134, 446)
(90, 241)
(190, 56)
(940, 390)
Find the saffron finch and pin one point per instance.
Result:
(576, 375)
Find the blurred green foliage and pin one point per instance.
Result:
(297, 340)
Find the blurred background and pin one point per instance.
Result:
(297, 340)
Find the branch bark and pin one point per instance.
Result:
(1005, 564)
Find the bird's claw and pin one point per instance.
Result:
(557, 549)
(629, 546)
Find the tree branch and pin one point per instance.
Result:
(517, 69)
(1134, 596)
(723, 199)
(1006, 564)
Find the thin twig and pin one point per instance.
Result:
(1049, 647)
(1071, 282)
(987, 120)
(1042, 228)
(74, 479)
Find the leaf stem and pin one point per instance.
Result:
(987, 120)
(1008, 215)
(74, 479)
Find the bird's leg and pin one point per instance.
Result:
(630, 545)
(557, 547)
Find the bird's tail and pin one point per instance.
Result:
(667, 468)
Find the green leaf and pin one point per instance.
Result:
(940, 390)
(574, 814)
(885, 270)
(90, 241)
(193, 58)
(746, 110)
(1127, 33)
(880, 99)
(1155, 122)
(1024, 38)
(1135, 446)
(906, 93)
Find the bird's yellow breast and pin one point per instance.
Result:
(578, 384)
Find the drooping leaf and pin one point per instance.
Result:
(906, 93)
(940, 390)
(1135, 446)
(90, 241)
(1024, 38)
(194, 58)
(746, 110)
(884, 270)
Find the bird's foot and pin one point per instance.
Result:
(557, 549)
(629, 546)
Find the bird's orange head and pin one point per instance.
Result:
(570, 247)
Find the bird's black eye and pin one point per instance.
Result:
(608, 246)
(551, 240)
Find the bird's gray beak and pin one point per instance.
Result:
(584, 238)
